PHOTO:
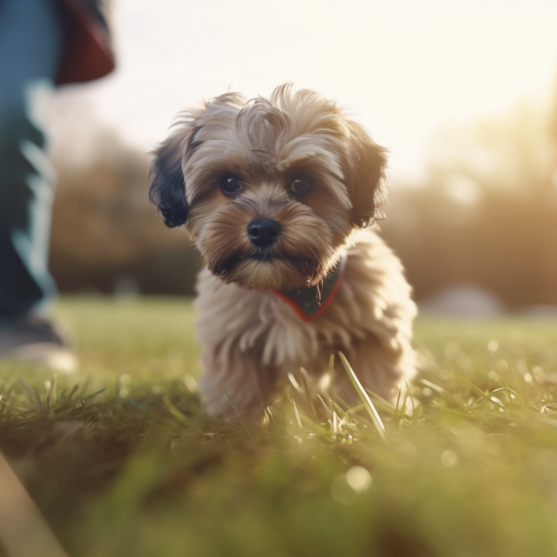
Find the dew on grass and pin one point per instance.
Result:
(449, 459)
(123, 380)
(493, 346)
(359, 479)
(346, 488)
(538, 372)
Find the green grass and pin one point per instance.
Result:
(138, 470)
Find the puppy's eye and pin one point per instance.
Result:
(230, 185)
(302, 185)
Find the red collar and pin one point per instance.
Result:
(310, 302)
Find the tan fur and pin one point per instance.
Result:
(250, 338)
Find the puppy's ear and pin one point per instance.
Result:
(366, 176)
(167, 186)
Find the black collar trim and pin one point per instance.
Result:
(310, 302)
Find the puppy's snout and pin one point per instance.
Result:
(263, 232)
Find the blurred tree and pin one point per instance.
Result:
(487, 213)
(105, 232)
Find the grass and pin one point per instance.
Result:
(136, 468)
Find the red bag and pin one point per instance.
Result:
(87, 53)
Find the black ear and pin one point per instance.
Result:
(366, 176)
(168, 189)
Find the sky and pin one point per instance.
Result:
(402, 67)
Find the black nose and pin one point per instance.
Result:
(263, 232)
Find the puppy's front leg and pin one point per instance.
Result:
(241, 374)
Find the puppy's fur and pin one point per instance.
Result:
(250, 337)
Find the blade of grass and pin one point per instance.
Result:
(483, 394)
(235, 407)
(338, 409)
(89, 397)
(398, 399)
(296, 413)
(381, 402)
(433, 386)
(327, 409)
(411, 397)
(402, 416)
(52, 391)
(29, 390)
(375, 418)
(136, 404)
(332, 376)
(311, 425)
(69, 399)
(174, 411)
(305, 383)
(295, 383)
(272, 416)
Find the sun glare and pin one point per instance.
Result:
(403, 66)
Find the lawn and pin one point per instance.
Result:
(138, 470)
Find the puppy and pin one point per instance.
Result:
(278, 196)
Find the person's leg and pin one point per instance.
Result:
(30, 45)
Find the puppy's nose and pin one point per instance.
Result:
(263, 232)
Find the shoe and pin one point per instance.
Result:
(33, 339)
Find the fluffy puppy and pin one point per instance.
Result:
(278, 196)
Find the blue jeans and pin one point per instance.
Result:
(30, 45)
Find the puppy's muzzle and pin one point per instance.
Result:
(263, 232)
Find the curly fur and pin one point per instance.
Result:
(249, 337)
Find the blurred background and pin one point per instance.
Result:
(462, 93)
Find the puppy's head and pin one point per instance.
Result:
(270, 190)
